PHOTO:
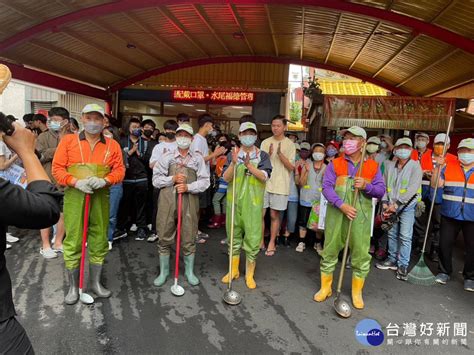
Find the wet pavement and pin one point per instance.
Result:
(278, 317)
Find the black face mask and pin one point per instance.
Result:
(147, 133)
(170, 135)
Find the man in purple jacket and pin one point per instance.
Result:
(340, 180)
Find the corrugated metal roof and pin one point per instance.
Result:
(95, 49)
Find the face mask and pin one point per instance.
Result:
(350, 146)
(466, 158)
(330, 152)
(304, 154)
(403, 153)
(438, 149)
(170, 135)
(248, 140)
(147, 133)
(108, 136)
(54, 125)
(137, 132)
(213, 133)
(93, 128)
(318, 156)
(372, 148)
(383, 145)
(421, 144)
(183, 142)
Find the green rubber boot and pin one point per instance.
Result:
(189, 270)
(164, 270)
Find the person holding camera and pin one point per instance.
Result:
(40, 202)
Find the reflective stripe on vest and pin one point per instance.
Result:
(458, 194)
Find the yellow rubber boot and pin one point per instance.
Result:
(235, 270)
(326, 288)
(357, 286)
(249, 273)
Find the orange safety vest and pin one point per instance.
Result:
(341, 168)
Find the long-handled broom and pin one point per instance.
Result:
(421, 273)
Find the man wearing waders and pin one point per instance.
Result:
(253, 170)
(87, 163)
(342, 176)
(179, 171)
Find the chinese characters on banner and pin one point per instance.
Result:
(242, 97)
(389, 112)
(426, 333)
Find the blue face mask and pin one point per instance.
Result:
(54, 125)
(403, 153)
(330, 152)
(248, 140)
(466, 158)
(137, 132)
(93, 128)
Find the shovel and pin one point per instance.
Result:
(341, 306)
(230, 296)
(84, 297)
(176, 289)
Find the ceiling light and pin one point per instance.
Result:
(168, 105)
(238, 107)
(188, 105)
(200, 110)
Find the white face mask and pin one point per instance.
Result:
(421, 144)
(318, 156)
(183, 142)
(372, 148)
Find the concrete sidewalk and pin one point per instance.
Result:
(278, 317)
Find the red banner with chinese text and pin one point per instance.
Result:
(389, 112)
(214, 96)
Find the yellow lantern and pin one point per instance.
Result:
(5, 77)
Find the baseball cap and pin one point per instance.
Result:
(305, 145)
(317, 145)
(247, 125)
(334, 143)
(185, 127)
(355, 130)
(374, 140)
(440, 137)
(404, 140)
(422, 134)
(93, 108)
(466, 143)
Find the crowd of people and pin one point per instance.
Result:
(286, 190)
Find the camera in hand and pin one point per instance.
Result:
(6, 124)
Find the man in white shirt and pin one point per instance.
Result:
(282, 153)
(200, 146)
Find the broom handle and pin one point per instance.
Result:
(346, 246)
(438, 174)
(232, 218)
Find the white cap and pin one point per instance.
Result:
(404, 140)
(440, 137)
(356, 131)
(247, 125)
(93, 108)
(466, 143)
(185, 127)
(374, 140)
(305, 145)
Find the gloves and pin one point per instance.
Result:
(96, 183)
(83, 185)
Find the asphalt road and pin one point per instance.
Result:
(278, 317)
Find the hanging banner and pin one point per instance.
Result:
(388, 112)
(214, 96)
